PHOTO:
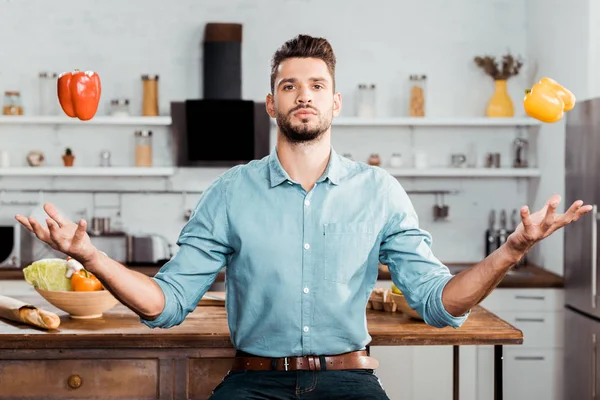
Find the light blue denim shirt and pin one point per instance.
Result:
(300, 266)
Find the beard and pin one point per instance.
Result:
(304, 132)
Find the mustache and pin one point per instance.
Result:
(301, 107)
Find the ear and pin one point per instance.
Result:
(337, 104)
(270, 105)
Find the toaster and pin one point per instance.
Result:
(147, 249)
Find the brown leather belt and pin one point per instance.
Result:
(353, 360)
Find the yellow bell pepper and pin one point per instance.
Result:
(547, 101)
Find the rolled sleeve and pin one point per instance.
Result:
(406, 250)
(203, 251)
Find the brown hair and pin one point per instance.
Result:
(304, 46)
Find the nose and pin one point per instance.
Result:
(304, 96)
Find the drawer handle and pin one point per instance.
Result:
(74, 381)
(529, 319)
(522, 297)
(530, 358)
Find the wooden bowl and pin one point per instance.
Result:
(403, 306)
(80, 305)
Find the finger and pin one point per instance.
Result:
(550, 214)
(525, 217)
(572, 214)
(55, 215)
(24, 222)
(54, 231)
(80, 231)
(42, 233)
(583, 210)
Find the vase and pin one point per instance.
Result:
(500, 105)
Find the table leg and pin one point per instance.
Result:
(455, 372)
(498, 372)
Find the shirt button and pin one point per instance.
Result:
(306, 290)
(306, 203)
(290, 183)
(305, 329)
(306, 246)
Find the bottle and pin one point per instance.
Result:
(12, 103)
(417, 86)
(143, 148)
(150, 95)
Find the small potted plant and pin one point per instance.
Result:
(68, 158)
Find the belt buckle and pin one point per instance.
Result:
(285, 363)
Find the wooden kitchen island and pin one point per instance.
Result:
(117, 357)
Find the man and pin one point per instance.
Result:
(301, 233)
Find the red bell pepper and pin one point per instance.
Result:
(79, 93)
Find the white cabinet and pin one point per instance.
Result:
(533, 370)
(530, 371)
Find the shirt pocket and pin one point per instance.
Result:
(346, 251)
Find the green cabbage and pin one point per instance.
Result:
(48, 274)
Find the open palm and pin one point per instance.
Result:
(62, 234)
(541, 224)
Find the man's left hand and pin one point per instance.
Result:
(541, 224)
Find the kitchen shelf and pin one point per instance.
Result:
(466, 172)
(88, 171)
(435, 122)
(100, 120)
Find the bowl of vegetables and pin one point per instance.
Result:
(69, 287)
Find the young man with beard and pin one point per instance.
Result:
(301, 233)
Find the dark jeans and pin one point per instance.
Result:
(308, 385)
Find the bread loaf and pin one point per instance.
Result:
(40, 318)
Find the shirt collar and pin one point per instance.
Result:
(278, 175)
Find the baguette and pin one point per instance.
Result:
(40, 318)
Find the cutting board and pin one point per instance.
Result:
(213, 299)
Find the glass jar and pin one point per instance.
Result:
(366, 101)
(150, 95)
(12, 103)
(396, 160)
(119, 107)
(49, 104)
(417, 89)
(143, 148)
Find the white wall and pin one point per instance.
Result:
(569, 55)
(380, 42)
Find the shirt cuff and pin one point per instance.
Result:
(164, 317)
(439, 316)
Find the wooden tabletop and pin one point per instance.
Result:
(526, 276)
(207, 327)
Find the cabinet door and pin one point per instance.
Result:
(580, 356)
(532, 373)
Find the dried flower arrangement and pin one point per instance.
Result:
(510, 66)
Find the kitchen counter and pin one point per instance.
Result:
(119, 357)
(527, 276)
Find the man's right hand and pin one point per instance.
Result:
(62, 234)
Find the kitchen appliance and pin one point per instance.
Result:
(10, 244)
(147, 249)
(582, 306)
(242, 133)
(222, 61)
(19, 247)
